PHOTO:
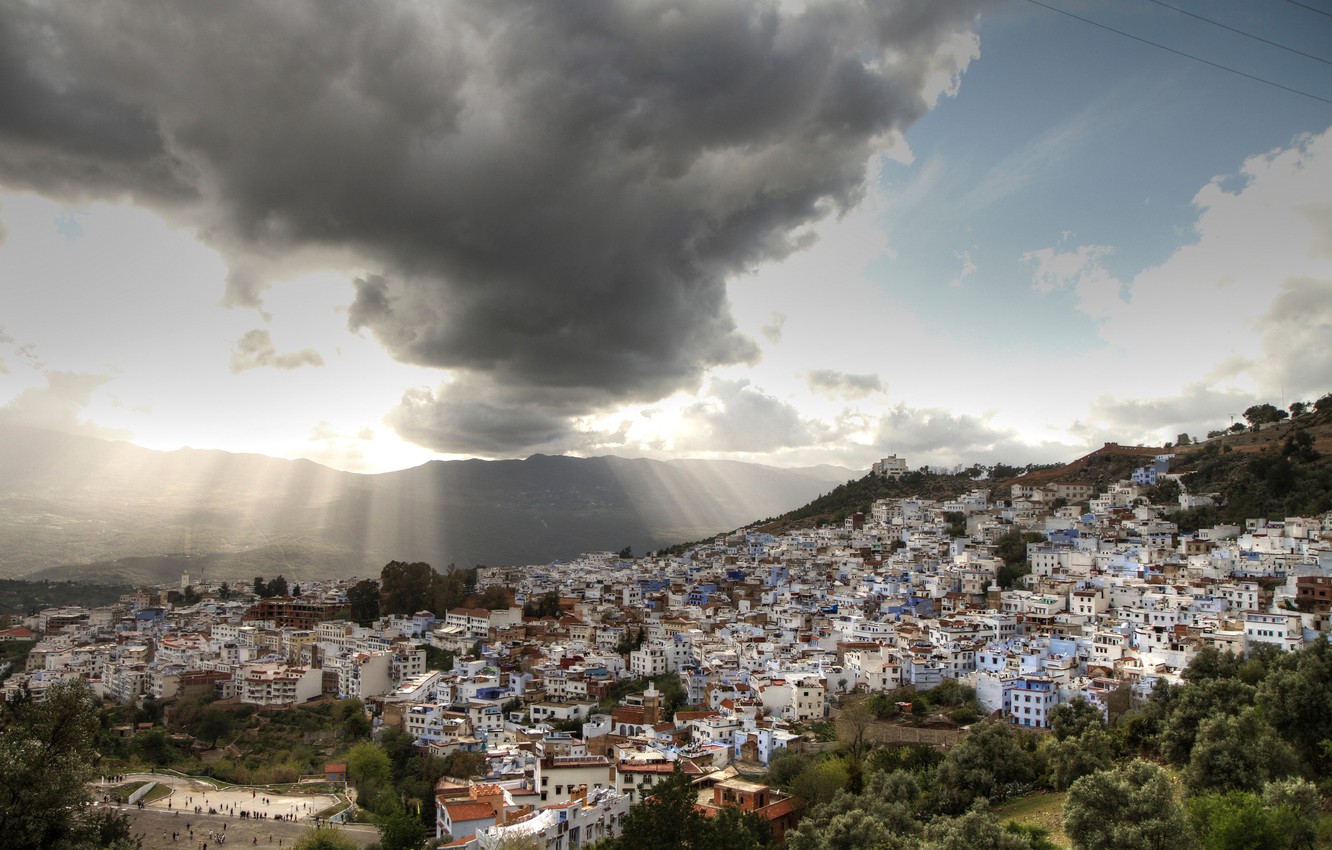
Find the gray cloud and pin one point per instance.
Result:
(1196, 410)
(550, 194)
(842, 384)
(255, 350)
(1296, 332)
(59, 406)
(941, 437)
(471, 416)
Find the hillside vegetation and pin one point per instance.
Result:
(1270, 468)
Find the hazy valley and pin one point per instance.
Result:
(82, 508)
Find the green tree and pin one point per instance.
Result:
(406, 587)
(1237, 753)
(1037, 836)
(448, 590)
(1129, 807)
(732, 827)
(668, 820)
(1075, 717)
(1299, 447)
(155, 748)
(1073, 758)
(992, 763)
(494, 598)
(975, 830)
(276, 587)
(822, 780)
(849, 829)
(438, 659)
(212, 724)
(1263, 414)
(363, 601)
(400, 748)
(1236, 820)
(103, 829)
(1294, 697)
(913, 758)
(1194, 704)
(1298, 807)
(547, 606)
(1012, 547)
(1211, 663)
(462, 764)
(882, 817)
(367, 763)
(401, 831)
(957, 523)
(46, 761)
(1012, 550)
(785, 767)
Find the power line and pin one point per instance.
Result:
(1242, 32)
(1310, 8)
(1182, 53)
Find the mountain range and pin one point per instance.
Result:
(74, 507)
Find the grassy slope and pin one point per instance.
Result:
(1044, 810)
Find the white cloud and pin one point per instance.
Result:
(735, 416)
(968, 269)
(255, 350)
(1242, 306)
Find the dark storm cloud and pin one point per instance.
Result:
(255, 350)
(846, 385)
(476, 418)
(552, 194)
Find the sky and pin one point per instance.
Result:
(791, 233)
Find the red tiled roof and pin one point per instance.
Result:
(469, 811)
(650, 767)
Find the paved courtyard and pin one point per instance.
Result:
(196, 814)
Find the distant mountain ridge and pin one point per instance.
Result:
(80, 507)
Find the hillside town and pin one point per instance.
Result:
(761, 636)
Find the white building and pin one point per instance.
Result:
(277, 684)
